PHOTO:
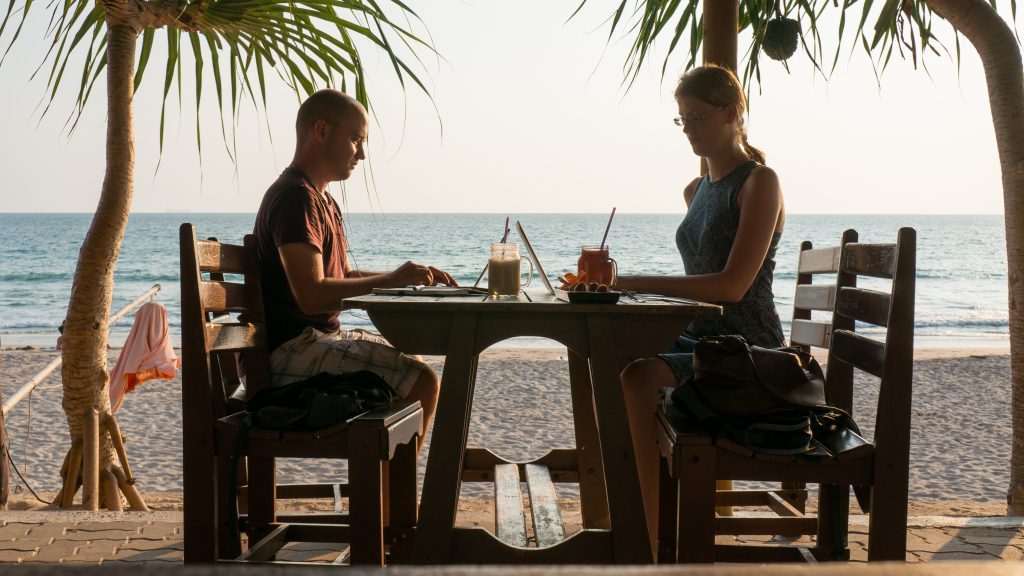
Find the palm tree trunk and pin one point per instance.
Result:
(84, 371)
(1004, 75)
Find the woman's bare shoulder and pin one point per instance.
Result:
(763, 183)
(690, 189)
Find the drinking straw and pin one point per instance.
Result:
(609, 227)
(504, 237)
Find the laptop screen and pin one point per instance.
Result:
(533, 255)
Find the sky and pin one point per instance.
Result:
(531, 116)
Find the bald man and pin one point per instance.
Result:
(305, 270)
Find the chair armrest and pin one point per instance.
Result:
(388, 415)
(386, 429)
(678, 433)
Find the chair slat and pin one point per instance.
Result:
(876, 260)
(819, 261)
(509, 519)
(766, 525)
(234, 337)
(781, 507)
(858, 351)
(815, 297)
(864, 305)
(547, 520)
(225, 258)
(810, 333)
(219, 297)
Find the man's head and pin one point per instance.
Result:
(330, 130)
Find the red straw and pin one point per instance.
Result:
(504, 236)
(609, 227)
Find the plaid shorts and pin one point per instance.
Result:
(313, 352)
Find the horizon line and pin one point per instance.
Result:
(443, 213)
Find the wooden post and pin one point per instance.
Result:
(721, 46)
(108, 487)
(5, 471)
(91, 461)
(118, 441)
(721, 26)
(71, 480)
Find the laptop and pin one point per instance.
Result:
(533, 256)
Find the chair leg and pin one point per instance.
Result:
(200, 518)
(800, 503)
(887, 524)
(696, 539)
(366, 506)
(402, 495)
(833, 518)
(229, 543)
(262, 500)
(668, 505)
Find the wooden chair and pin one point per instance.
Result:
(693, 460)
(805, 333)
(377, 444)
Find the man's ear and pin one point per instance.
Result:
(320, 130)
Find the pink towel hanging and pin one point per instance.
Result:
(147, 354)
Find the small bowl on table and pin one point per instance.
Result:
(581, 297)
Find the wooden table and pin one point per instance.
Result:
(602, 340)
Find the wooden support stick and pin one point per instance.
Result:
(71, 480)
(115, 436)
(91, 461)
(111, 495)
(135, 501)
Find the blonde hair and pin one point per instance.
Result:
(719, 87)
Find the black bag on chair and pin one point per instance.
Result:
(771, 400)
(740, 380)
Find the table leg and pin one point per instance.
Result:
(630, 536)
(443, 479)
(593, 496)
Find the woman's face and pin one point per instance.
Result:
(709, 129)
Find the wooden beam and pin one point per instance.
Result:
(509, 520)
(547, 520)
(721, 41)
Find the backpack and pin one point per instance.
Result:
(320, 401)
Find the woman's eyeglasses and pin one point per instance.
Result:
(694, 118)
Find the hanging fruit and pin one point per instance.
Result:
(780, 38)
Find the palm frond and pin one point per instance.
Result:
(312, 44)
(882, 28)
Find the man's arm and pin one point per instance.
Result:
(315, 294)
(349, 273)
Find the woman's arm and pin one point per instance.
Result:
(760, 201)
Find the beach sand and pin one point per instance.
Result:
(960, 439)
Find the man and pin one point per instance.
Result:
(305, 270)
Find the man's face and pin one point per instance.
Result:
(344, 143)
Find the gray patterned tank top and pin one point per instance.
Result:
(705, 238)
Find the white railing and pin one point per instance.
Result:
(56, 362)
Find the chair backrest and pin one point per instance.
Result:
(210, 336)
(891, 359)
(805, 332)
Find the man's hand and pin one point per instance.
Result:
(442, 277)
(413, 274)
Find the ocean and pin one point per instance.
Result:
(961, 267)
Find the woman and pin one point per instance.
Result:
(727, 240)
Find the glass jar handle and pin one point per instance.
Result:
(529, 275)
(615, 272)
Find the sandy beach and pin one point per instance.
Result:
(960, 440)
